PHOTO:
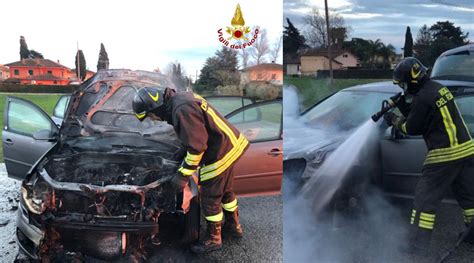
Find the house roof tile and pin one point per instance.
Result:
(36, 62)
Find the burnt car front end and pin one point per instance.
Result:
(104, 189)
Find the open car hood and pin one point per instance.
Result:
(103, 104)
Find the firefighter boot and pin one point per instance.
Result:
(211, 241)
(232, 225)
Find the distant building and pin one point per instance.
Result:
(317, 59)
(4, 72)
(266, 72)
(39, 72)
(292, 65)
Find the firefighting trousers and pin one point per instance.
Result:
(433, 185)
(217, 194)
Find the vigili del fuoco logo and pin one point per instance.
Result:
(238, 35)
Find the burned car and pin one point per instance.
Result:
(396, 162)
(98, 185)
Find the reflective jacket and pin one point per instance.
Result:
(435, 115)
(210, 140)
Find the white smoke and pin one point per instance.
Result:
(369, 231)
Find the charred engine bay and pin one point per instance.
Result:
(115, 161)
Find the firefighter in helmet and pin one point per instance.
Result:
(434, 114)
(213, 145)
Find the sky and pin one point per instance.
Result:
(387, 19)
(140, 34)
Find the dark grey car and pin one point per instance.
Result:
(398, 161)
(98, 184)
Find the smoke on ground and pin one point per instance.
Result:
(364, 229)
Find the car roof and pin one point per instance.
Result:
(382, 86)
(469, 47)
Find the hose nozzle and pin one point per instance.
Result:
(386, 106)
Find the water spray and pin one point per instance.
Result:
(386, 106)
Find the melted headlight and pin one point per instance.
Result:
(36, 197)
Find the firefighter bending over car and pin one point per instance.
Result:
(434, 114)
(212, 144)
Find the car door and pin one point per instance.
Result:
(259, 171)
(60, 109)
(403, 156)
(227, 104)
(27, 134)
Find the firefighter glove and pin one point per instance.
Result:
(179, 181)
(391, 118)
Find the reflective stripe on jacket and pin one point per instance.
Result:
(435, 115)
(211, 141)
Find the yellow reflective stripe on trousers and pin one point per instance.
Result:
(413, 214)
(187, 172)
(450, 154)
(213, 170)
(230, 206)
(193, 159)
(427, 217)
(215, 218)
(223, 126)
(469, 212)
(426, 220)
(426, 225)
(449, 125)
(468, 215)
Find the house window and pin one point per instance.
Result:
(345, 56)
(274, 76)
(50, 72)
(30, 72)
(55, 82)
(16, 72)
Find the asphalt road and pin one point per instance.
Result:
(260, 217)
(373, 233)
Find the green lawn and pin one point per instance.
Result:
(45, 101)
(312, 90)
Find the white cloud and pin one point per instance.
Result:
(360, 15)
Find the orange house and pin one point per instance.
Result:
(267, 72)
(39, 72)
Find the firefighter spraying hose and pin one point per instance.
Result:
(433, 113)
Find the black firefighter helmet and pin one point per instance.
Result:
(146, 100)
(409, 74)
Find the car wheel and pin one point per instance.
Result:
(192, 222)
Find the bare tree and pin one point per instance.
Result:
(244, 55)
(260, 48)
(276, 47)
(316, 34)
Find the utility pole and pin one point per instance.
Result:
(329, 41)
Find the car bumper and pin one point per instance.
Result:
(28, 235)
(103, 239)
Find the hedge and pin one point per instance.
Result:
(20, 88)
(357, 74)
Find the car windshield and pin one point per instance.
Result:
(457, 66)
(345, 110)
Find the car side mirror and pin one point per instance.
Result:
(45, 135)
